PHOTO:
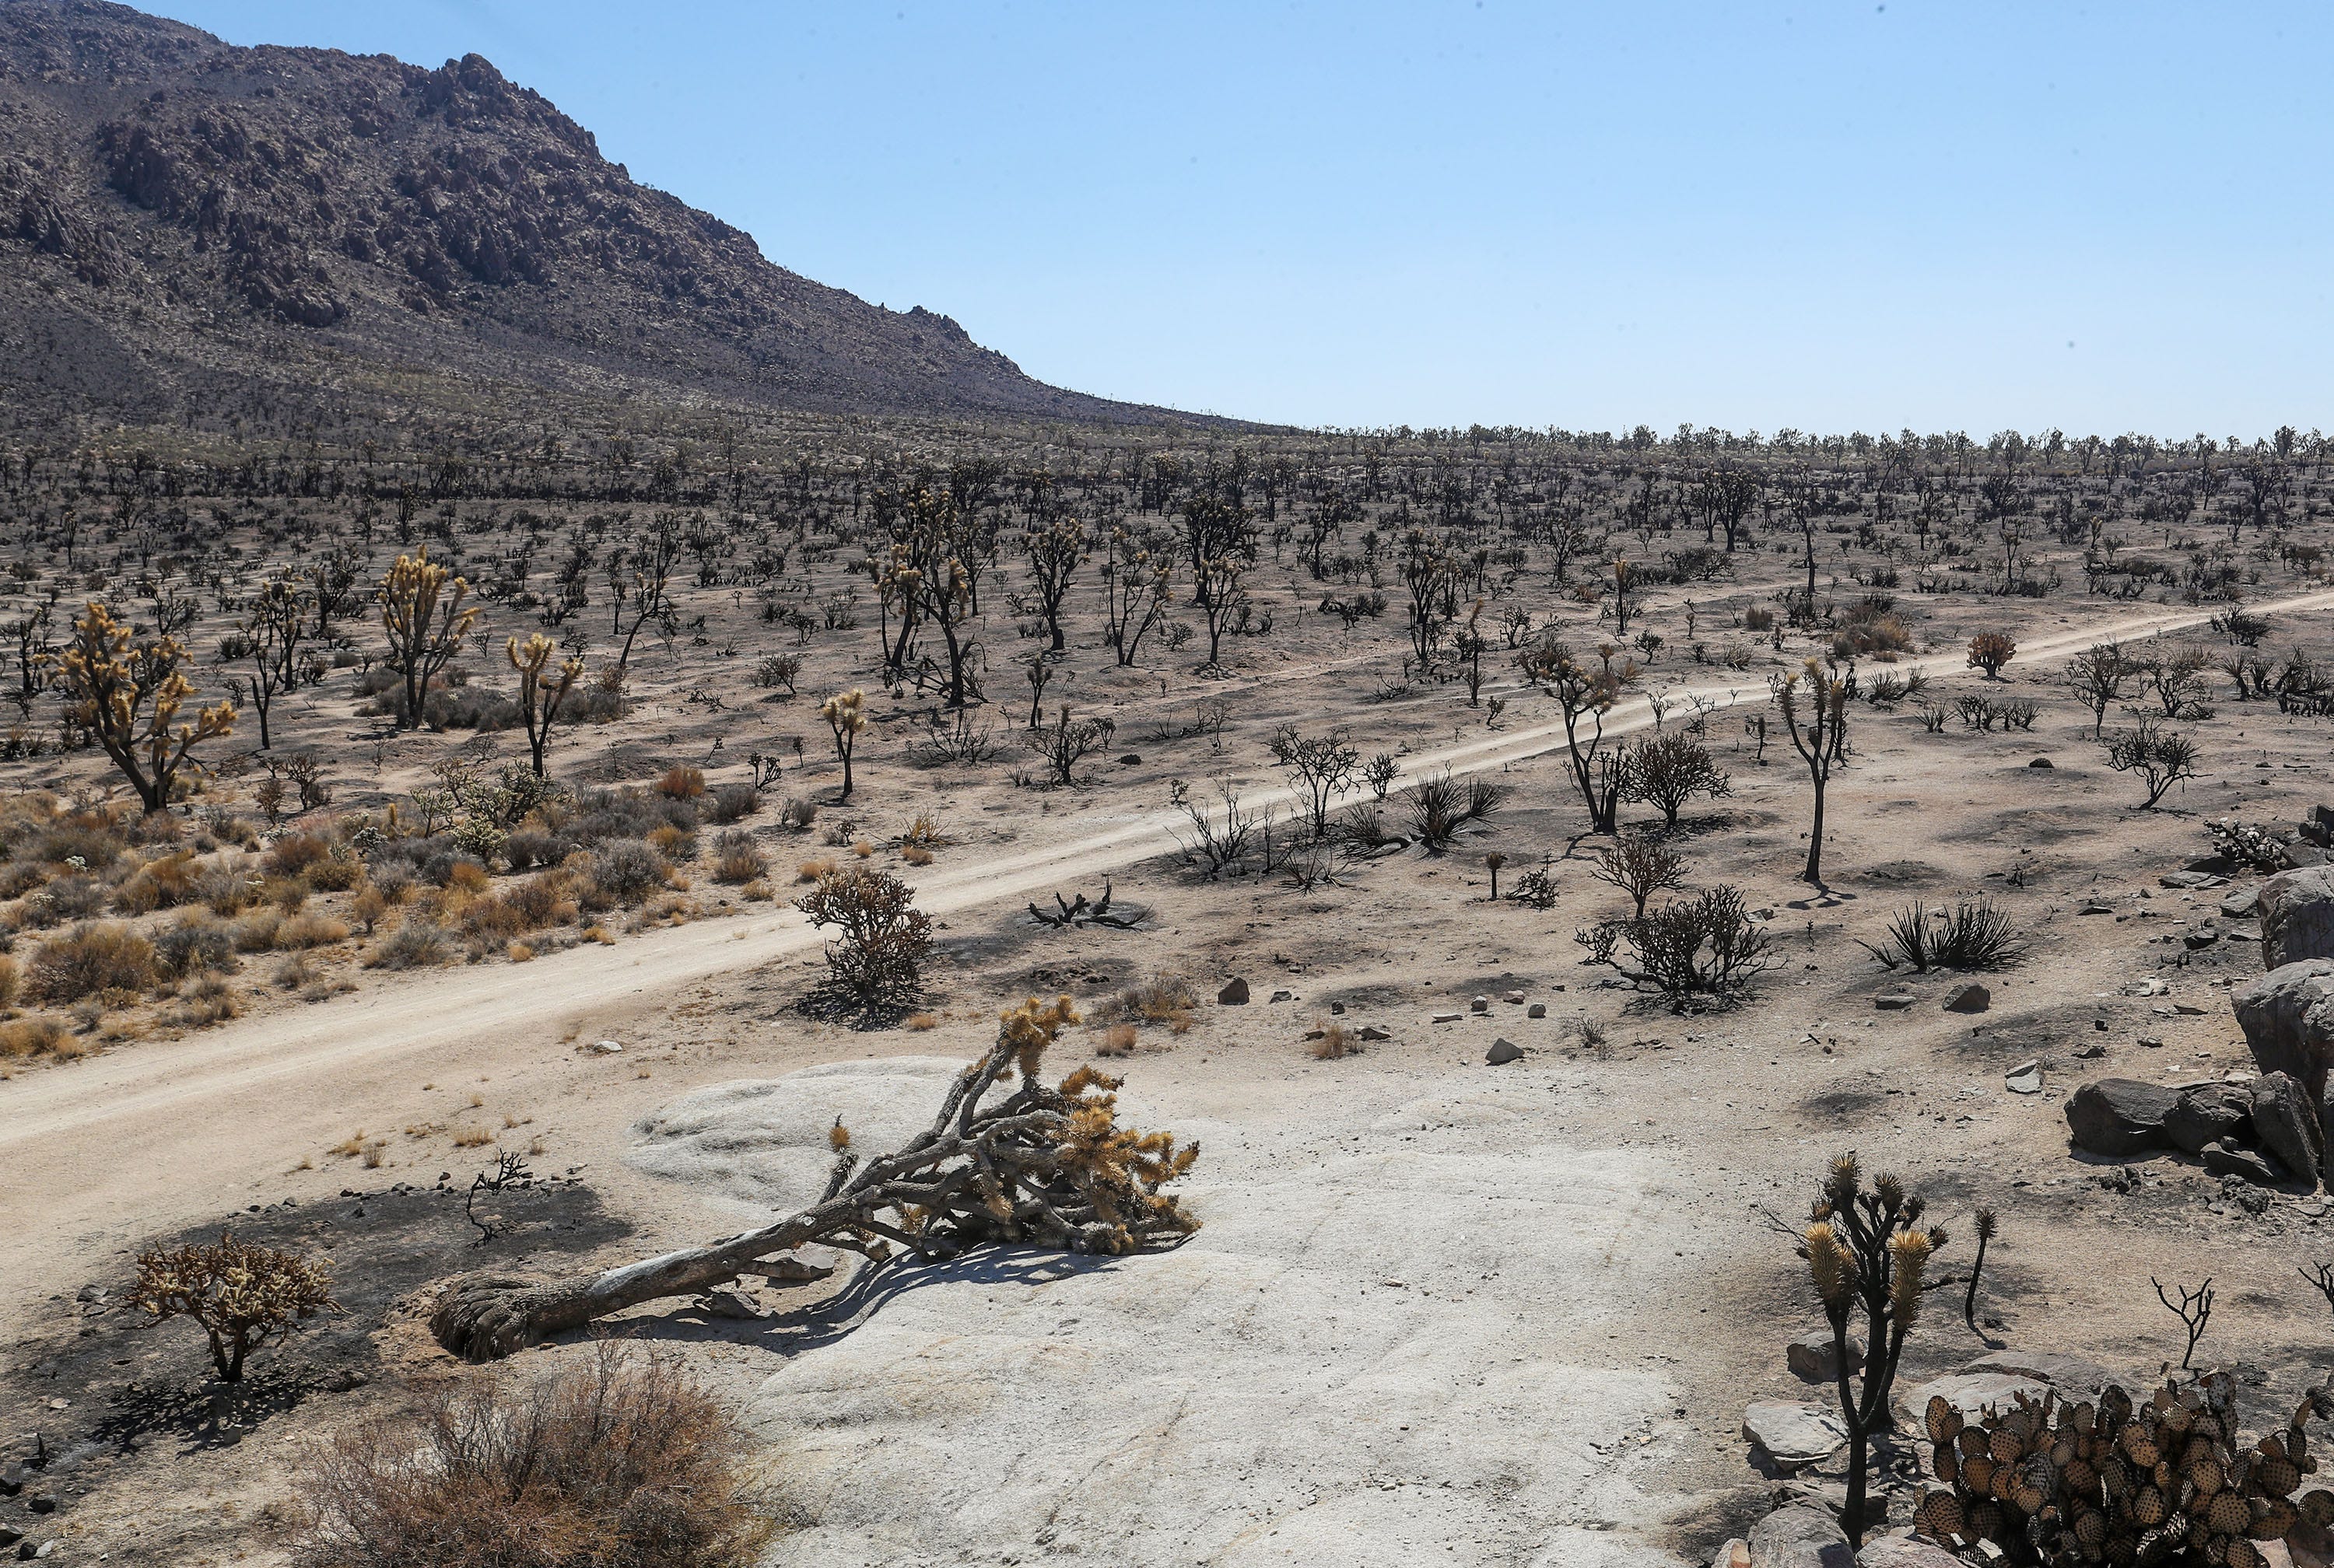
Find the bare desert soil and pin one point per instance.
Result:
(1439, 1310)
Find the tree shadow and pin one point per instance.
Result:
(209, 1414)
(872, 1286)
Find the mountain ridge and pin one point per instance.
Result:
(179, 214)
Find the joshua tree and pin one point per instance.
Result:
(127, 694)
(540, 691)
(1057, 549)
(1044, 1166)
(1821, 741)
(847, 714)
(1868, 1253)
(1583, 696)
(422, 612)
(1134, 592)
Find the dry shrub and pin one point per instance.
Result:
(91, 961)
(921, 1021)
(926, 832)
(1118, 1040)
(12, 980)
(305, 931)
(612, 1461)
(916, 854)
(519, 953)
(295, 854)
(736, 859)
(159, 884)
(336, 874)
(811, 871)
(468, 877)
(1336, 1042)
(258, 933)
(473, 1138)
(681, 783)
(758, 892)
(211, 1001)
(1163, 999)
(415, 944)
(368, 907)
(35, 1037)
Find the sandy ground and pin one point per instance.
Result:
(1439, 1311)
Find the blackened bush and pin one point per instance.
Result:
(627, 870)
(1693, 947)
(1437, 810)
(616, 1459)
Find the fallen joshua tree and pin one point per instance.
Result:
(1049, 1167)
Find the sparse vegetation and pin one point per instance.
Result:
(616, 1457)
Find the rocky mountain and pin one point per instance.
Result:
(182, 221)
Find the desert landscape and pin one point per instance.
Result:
(831, 955)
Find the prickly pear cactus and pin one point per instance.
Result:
(2166, 1482)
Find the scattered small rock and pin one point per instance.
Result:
(1969, 998)
(605, 1047)
(1794, 1436)
(1371, 1032)
(1813, 1356)
(1803, 1536)
(1503, 1052)
(2024, 1078)
(2042, 762)
(1537, 1010)
(1281, 996)
(2227, 1159)
(1480, 1004)
(1449, 1017)
(1894, 1001)
(1234, 994)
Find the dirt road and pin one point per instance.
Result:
(112, 1147)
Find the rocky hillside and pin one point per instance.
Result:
(180, 218)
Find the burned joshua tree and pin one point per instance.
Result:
(1044, 1166)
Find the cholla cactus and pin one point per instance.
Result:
(244, 1295)
(2061, 1483)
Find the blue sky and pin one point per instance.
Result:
(1935, 213)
